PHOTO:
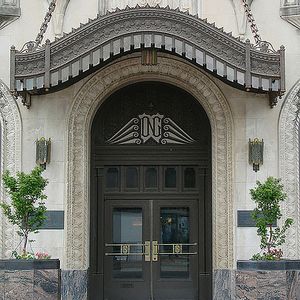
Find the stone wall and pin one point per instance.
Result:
(30, 284)
(228, 285)
(74, 284)
(256, 285)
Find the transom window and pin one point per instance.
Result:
(150, 178)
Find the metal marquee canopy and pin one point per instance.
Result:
(42, 69)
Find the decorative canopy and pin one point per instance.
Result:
(53, 66)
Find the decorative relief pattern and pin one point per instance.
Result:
(10, 160)
(289, 166)
(169, 21)
(156, 127)
(174, 22)
(171, 30)
(263, 67)
(86, 103)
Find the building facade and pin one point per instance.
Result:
(150, 106)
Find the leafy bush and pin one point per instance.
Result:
(27, 208)
(267, 197)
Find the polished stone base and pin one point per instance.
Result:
(268, 265)
(39, 284)
(256, 285)
(74, 284)
(32, 283)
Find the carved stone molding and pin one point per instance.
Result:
(11, 128)
(86, 103)
(289, 166)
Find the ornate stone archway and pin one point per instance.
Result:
(128, 70)
(11, 129)
(289, 166)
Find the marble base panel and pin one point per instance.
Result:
(256, 285)
(74, 285)
(224, 285)
(30, 284)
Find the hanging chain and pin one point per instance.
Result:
(36, 45)
(44, 25)
(251, 21)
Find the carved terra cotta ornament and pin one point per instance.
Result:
(11, 130)
(87, 101)
(289, 167)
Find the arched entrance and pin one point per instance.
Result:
(151, 196)
(92, 95)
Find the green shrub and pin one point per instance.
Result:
(268, 196)
(27, 208)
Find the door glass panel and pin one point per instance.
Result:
(127, 229)
(174, 230)
(151, 177)
(131, 177)
(170, 177)
(189, 178)
(112, 178)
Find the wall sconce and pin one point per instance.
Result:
(43, 151)
(256, 153)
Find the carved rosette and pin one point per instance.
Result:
(86, 103)
(10, 160)
(289, 167)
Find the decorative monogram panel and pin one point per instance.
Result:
(151, 114)
(157, 127)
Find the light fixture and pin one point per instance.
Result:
(256, 153)
(43, 151)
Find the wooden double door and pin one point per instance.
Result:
(149, 238)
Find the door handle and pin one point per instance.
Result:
(126, 249)
(176, 249)
(154, 250)
(147, 251)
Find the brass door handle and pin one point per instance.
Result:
(126, 249)
(176, 249)
(154, 250)
(147, 251)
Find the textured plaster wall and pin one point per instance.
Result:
(46, 118)
(252, 118)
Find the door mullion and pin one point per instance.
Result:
(151, 242)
